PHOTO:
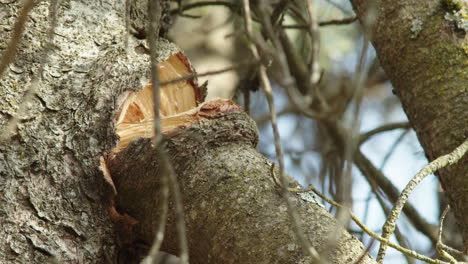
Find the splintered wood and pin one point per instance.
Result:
(136, 115)
(179, 104)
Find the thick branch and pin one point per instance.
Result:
(235, 213)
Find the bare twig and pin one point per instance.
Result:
(374, 235)
(376, 177)
(433, 166)
(314, 67)
(400, 238)
(440, 245)
(208, 73)
(350, 146)
(154, 12)
(314, 70)
(371, 244)
(392, 149)
(332, 22)
(307, 248)
(364, 137)
(262, 120)
(344, 21)
(286, 79)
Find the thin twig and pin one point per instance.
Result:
(154, 17)
(365, 252)
(439, 244)
(344, 21)
(376, 177)
(208, 73)
(154, 12)
(364, 137)
(308, 249)
(314, 67)
(400, 238)
(433, 166)
(332, 22)
(374, 235)
(286, 79)
(314, 70)
(263, 119)
(349, 138)
(392, 149)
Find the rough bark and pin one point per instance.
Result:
(425, 56)
(50, 185)
(234, 211)
(52, 191)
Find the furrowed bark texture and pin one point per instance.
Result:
(426, 58)
(51, 190)
(234, 212)
(50, 185)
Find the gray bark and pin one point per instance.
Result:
(51, 188)
(234, 210)
(53, 201)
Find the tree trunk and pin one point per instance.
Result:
(51, 188)
(425, 55)
(53, 194)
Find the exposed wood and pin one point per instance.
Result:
(235, 213)
(53, 196)
(53, 193)
(136, 113)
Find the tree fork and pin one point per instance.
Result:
(52, 189)
(234, 211)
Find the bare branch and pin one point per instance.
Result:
(314, 67)
(332, 22)
(441, 248)
(208, 73)
(376, 177)
(364, 137)
(374, 235)
(262, 120)
(344, 21)
(306, 246)
(392, 149)
(435, 165)
(399, 236)
(154, 13)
